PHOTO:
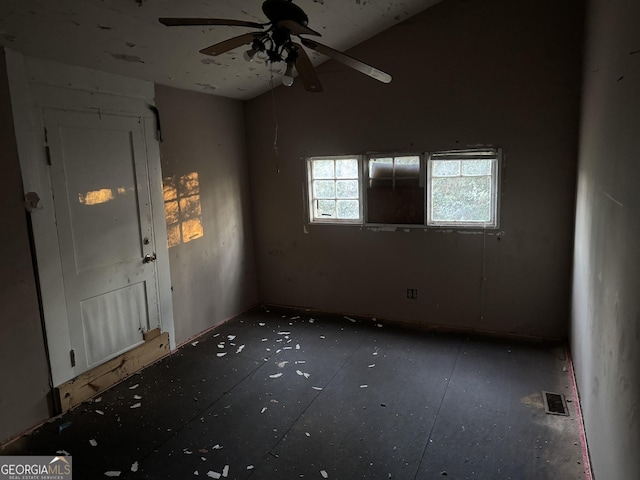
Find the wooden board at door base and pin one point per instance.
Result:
(97, 380)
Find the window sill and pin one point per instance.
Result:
(384, 227)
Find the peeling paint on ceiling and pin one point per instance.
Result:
(124, 36)
(125, 57)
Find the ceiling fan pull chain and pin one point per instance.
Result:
(275, 121)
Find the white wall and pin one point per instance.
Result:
(494, 72)
(22, 352)
(212, 276)
(606, 286)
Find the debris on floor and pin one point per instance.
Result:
(341, 364)
(62, 426)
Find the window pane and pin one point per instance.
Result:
(325, 208)
(411, 160)
(407, 170)
(347, 168)
(395, 193)
(322, 169)
(382, 160)
(445, 168)
(334, 189)
(476, 167)
(324, 189)
(347, 189)
(461, 199)
(381, 168)
(348, 209)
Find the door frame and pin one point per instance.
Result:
(38, 84)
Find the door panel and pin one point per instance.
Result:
(104, 209)
(111, 321)
(101, 195)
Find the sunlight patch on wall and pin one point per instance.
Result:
(182, 208)
(96, 197)
(104, 195)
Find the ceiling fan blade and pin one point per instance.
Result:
(306, 71)
(348, 60)
(182, 22)
(296, 28)
(230, 44)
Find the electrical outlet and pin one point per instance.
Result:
(412, 293)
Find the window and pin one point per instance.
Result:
(334, 195)
(457, 188)
(463, 188)
(395, 190)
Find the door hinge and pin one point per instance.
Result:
(72, 356)
(47, 152)
(156, 112)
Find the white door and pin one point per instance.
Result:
(100, 184)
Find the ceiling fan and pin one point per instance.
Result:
(275, 44)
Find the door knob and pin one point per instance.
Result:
(149, 258)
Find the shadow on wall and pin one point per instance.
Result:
(182, 207)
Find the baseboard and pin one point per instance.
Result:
(97, 380)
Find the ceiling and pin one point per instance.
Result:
(124, 36)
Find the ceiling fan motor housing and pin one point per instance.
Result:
(277, 10)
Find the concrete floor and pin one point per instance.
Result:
(284, 394)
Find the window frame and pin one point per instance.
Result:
(481, 153)
(425, 158)
(312, 219)
(367, 185)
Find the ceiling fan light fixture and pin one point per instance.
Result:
(249, 55)
(287, 78)
(275, 45)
